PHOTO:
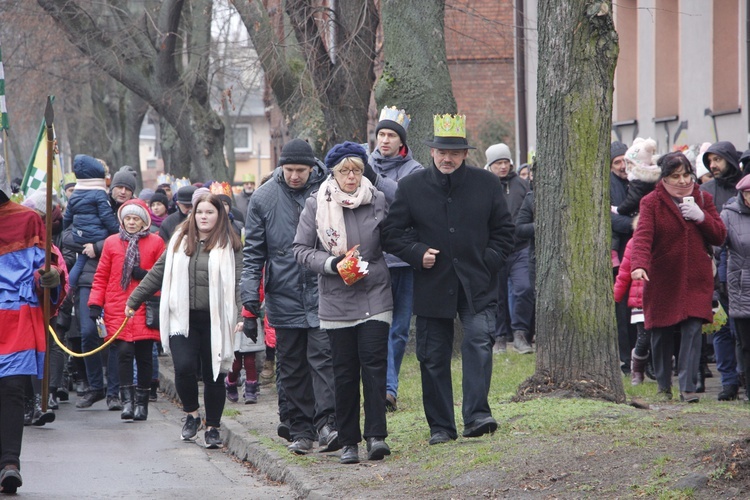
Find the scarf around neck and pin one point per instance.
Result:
(132, 254)
(330, 215)
(678, 192)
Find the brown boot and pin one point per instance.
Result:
(268, 372)
(637, 368)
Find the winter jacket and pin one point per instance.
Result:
(736, 217)
(199, 282)
(71, 248)
(108, 294)
(90, 215)
(272, 218)
(622, 228)
(464, 215)
(674, 253)
(525, 226)
(624, 283)
(242, 201)
(514, 190)
(642, 180)
(369, 296)
(168, 225)
(393, 169)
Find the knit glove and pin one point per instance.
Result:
(50, 279)
(250, 328)
(370, 174)
(691, 211)
(138, 273)
(335, 262)
(95, 312)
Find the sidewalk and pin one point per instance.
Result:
(243, 435)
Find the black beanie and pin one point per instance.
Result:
(159, 198)
(297, 152)
(391, 125)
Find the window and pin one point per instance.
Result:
(242, 138)
(151, 163)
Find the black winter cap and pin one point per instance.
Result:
(185, 195)
(297, 152)
(391, 125)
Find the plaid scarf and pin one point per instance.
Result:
(132, 255)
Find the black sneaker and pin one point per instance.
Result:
(91, 397)
(191, 427)
(213, 438)
(10, 479)
(328, 439)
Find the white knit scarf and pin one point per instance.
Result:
(174, 309)
(330, 216)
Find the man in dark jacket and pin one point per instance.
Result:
(184, 206)
(622, 231)
(512, 325)
(450, 222)
(393, 161)
(722, 159)
(305, 369)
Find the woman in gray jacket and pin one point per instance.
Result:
(348, 211)
(736, 217)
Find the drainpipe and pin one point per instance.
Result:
(522, 142)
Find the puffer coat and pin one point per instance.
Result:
(736, 216)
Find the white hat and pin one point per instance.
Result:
(497, 152)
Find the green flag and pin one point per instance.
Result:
(3, 109)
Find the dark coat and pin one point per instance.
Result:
(622, 228)
(463, 215)
(272, 217)
(525, 229)
(642, 180)
(736, 217)
(168, 225)
(674, 253)
(514, 190)
(71, 248)
(90, 215)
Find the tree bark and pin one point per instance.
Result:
(576, 330)
(143, 51)
(416, 76)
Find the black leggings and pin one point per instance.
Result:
(141, 350)
(187, 352)
(11, 418)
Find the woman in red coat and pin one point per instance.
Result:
(125, 260)
(678, 224)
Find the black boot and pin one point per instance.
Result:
(41, 417)
(141, 403)
(700, 385)
(153, 396)
(126, 397)
(728, 392)
(52, 403)
(28, 410)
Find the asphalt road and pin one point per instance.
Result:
(93, 454)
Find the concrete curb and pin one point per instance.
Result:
(242, 442)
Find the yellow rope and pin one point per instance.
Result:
(84, 354)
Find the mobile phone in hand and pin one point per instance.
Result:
(688, 199)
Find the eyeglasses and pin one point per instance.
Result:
(346, 171)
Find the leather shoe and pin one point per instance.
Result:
(486, 425)
(377, 448)
(689, 397)
(328, 439)
(91, 397)
(301, 446)
(350, 455)
(390, 403)
(440, 437)
(283, 431)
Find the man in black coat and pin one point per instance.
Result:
(452, 225)
(622, 231)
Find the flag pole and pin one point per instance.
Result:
(49, 116)
(5, 154)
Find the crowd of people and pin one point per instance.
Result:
(322, 266)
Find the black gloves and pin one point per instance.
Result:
(370, 174)
(253, 308)
(50, 279)
(95, 312)
(138, 273)
(335, 263)
(250, 328)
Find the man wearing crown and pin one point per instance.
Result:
(393, 161)
(450, 222)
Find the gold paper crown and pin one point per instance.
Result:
(221, 188)
(164, 179)
(450, 125)
(248, 178)
(69, 178)
(395, 115)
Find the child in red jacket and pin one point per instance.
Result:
(623, 283)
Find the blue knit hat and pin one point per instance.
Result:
(345, 150)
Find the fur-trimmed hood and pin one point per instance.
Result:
(645, 173)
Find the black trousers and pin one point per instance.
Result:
(742, 326)
(360, 353)
(187, 353)
(305, 373)
(12, 391)
(141, 350)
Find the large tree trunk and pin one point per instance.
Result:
(416, 76)
(575, 320)
(161, 53)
